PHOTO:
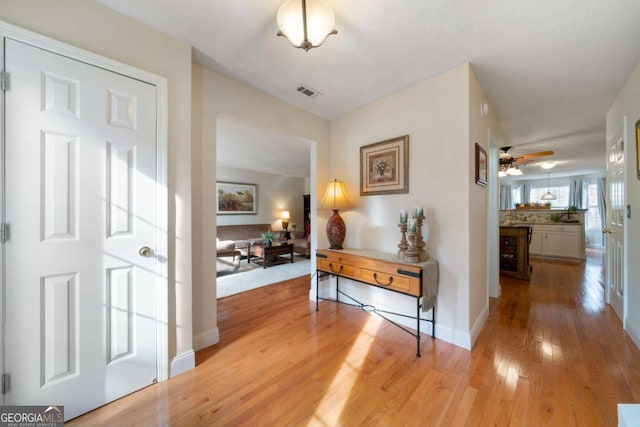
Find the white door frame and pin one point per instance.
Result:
(493, 226)
(40, 41)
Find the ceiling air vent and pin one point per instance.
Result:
(306, 90)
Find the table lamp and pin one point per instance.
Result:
(285, 216)
(335, 198)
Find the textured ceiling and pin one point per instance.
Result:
(550, 68)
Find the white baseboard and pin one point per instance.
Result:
(459, 338)
(477, 327)
(206, 339)
(182, 363)
(634, 332)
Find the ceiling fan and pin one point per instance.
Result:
(510, 165)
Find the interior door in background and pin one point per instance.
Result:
(614, 230)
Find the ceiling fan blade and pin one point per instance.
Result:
(521, 161)
(535, 155)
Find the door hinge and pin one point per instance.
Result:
(4, 232)
(4, 80)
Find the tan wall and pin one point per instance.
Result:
(479, 126)
(435, 115)
(219, 95)
(92, 27)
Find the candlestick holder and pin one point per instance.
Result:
(415, 252)
(419, 240)
(403, 245)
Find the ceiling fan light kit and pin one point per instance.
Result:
(510, 165)
(305, 23)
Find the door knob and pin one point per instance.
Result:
(145, 251)
(607, 231)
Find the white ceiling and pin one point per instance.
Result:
(240, 146)
(550, 68)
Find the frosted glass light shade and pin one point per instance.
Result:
(514, 171)
(319, 18)
(548, 196)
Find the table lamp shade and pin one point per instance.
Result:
(335, 198)
(285, 216)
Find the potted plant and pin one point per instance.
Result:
(268, 238)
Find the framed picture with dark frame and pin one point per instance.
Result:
(481, 166)
(638, 149)
(236, 198)
(384, 167)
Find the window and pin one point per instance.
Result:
(593, 212)
(561, 192)
(516, 195)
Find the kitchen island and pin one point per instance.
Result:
(514, 252)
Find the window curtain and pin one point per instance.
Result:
(505, 197)
(575, 194)
(526, 193)
(601, 185)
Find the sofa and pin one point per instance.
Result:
(242, 236)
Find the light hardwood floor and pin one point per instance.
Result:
(550, 354)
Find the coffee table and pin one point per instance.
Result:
(270, 255)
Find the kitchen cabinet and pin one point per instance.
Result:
(564, 241)
(535, 247)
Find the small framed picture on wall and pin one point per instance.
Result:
(481, 166)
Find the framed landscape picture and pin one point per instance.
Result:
(235, 198)
(384, 167)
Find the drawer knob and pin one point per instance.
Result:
(375, 277)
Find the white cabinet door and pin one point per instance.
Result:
(562, 242)
(535, 247)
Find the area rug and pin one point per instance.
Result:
(252, 277)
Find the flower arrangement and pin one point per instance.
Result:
(381, 166)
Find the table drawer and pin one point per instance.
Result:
(390, 281)
(336, 267)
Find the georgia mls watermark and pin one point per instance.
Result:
(31, 416)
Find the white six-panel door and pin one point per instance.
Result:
(80, 203)
(614, 230)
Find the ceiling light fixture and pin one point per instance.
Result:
(548, 195)
(547, 165)
(509, 169)
(514, 171)
(305, 24)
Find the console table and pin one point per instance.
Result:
(385, 271)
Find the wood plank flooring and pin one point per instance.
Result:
(551, 354)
